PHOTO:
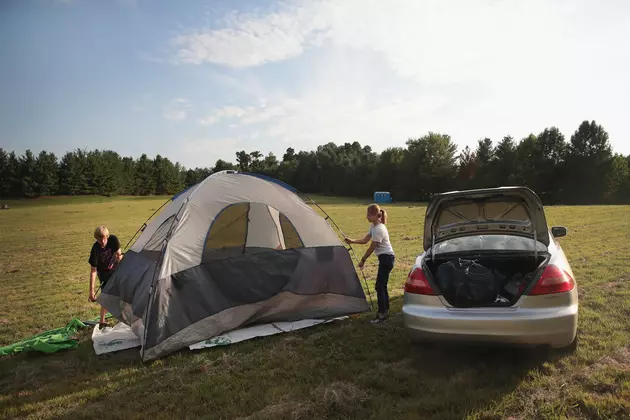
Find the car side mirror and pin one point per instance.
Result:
(558, 231)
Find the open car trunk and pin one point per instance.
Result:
(477, 281)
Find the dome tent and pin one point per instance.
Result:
(234, 250)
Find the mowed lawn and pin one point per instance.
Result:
(349, 369)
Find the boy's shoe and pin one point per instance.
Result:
(102, 325)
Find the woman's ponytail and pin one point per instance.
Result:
(383, 216)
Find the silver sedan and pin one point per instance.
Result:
(491, 271)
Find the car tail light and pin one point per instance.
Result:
(417, 283)
(553, 280)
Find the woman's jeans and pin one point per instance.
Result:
(385, 266)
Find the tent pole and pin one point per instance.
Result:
(144, 225)
(349, 248)
(156, 272)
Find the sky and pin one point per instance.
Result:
(197, 81)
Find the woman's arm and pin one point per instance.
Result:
(368, 253)
(363, 241)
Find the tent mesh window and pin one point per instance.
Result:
(291, 237)
(228, 232)
(156, 241)
(240, 228)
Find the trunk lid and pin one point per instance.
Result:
(504, 211)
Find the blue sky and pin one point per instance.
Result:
(198, 80)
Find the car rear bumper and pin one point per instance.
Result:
(556, 327)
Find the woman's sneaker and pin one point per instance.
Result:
(379, 318)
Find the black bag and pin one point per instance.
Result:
(467, 282)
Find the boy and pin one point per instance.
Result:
(104, 258)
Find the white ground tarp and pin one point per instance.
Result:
(121, 337)
(259, 331)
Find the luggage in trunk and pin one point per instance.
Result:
(497, 281)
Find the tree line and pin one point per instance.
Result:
(583, 170)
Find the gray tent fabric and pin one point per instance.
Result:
(232, 251)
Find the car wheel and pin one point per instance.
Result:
(570, 348)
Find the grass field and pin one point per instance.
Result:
(346, 370)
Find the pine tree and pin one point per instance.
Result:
(28, 173)
(503, 168)
(549, 164)
(618, 180)
(588, 161)
(467, 167)
(145, 179)
(484, 157)
(111, 173)
(72, 173)
(6, 175)
(177, 183)
(95, 172)
(163, 171)
(128, 176)
(46, 174)
(191, 178)
(15, 185)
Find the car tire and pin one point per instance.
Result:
(569, 348)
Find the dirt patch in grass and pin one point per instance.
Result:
(578, 388)
(285, 409)
(619, 359)
(618, 283)
(338, 398)
(342, 396)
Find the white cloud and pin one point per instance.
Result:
(151, 58)
(205, 151)
(436, 40)
(386, 72)
(250, 39)
(177, 109)
(228, 111)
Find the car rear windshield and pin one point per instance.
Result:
(488, 243)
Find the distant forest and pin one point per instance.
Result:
(583, 170)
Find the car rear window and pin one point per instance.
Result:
(488, 243)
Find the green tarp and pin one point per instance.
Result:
(48, 341)
(51, 341)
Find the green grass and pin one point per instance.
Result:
(345, 370)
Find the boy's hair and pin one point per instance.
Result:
(101, 232)
(374, 209)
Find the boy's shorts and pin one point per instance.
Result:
(103, 276)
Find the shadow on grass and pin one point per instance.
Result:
(349, 369)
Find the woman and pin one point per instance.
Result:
(382, 247)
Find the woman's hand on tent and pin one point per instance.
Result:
(92, 297)
(361, 264)
(348, 241)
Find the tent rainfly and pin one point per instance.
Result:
(236, 249)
